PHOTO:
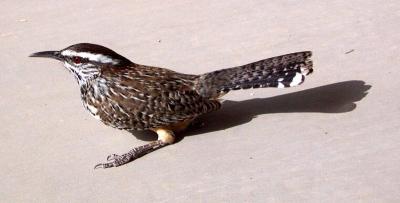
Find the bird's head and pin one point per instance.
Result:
(85, 60)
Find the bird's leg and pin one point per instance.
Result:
(165, 137)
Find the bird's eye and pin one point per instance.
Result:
(76, 60)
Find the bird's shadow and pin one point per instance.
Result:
(333, 98)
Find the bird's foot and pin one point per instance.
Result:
(115, 160)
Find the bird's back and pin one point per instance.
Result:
(143, 97)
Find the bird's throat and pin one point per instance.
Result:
(83, 73)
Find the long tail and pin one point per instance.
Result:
(282, 71)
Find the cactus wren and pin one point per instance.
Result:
(130, 96)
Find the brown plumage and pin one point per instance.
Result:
(130, 96)
(141, 97)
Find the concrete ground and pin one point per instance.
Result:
(334, 139)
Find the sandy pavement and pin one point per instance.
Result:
(335, 138)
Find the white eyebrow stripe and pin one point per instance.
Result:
(92, 57)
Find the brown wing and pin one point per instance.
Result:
(145, 97)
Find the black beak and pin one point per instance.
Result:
(47, 54)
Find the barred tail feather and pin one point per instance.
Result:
(282, 71)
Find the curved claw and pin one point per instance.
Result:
(98, 166)
(103, 166)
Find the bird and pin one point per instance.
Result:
(134, 97)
